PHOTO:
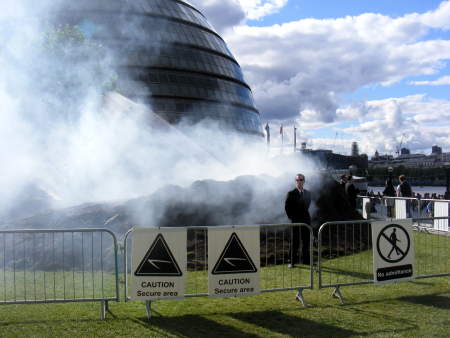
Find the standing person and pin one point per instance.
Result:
(351, 192)
(404, 190)
(389, 191)
(297, 210)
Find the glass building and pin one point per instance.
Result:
(169, 56)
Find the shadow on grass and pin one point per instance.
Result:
(408, 325)
(192, 326)
(434, 299)
(292, 326)
(439, 301)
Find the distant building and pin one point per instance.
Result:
(355, 149)
(410, 161)
(405, 151)
(328, 159)
(380, 159)
(445, 157)
(436, 150)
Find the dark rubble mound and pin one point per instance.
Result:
(242, 201)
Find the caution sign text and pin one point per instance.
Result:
(393, 253)
(233, 259)
(158, 263)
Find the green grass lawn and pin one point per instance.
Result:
(420, 308)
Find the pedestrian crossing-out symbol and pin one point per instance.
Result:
(158, 261)
(393, 243)
(234, 258)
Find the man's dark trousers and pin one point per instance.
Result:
(300, 234)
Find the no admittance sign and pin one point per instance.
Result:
(393, 251)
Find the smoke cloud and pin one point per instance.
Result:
(68, 138)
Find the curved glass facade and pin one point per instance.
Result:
(170, 56)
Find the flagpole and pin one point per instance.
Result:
(295, 138)
(282, 139)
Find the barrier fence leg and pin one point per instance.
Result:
(300, 297)
(337, 294)
(103, 306)
(106, 306)
(148, 307)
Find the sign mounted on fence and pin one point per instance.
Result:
(393, 251)
(233, 261)
(158, 263)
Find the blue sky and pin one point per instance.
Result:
(375, 72)
(323, 9)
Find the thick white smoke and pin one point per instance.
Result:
(63, 131)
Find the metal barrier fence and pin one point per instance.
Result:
(58, 266)
(276, 273)
(345, 253)
(81, 265)
(405, 207)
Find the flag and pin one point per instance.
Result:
(281, 130)
(267, 128)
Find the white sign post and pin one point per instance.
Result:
(233, 261)
(158, 263)
(366, 206)
(393, 251)
(440, 210)
(400, 209)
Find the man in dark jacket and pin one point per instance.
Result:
(351, 192)
(296, 205)
(389, 191)
(404, 190)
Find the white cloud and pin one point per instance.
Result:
(416, 120)
(304, 66)
(438, 18)
(222, 14)
(256, 9)
(421, 122)
(442, 81)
